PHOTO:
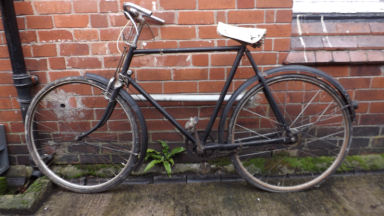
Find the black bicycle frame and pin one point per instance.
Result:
(241, 50)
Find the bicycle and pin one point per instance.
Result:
(286, 130)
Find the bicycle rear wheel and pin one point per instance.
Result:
(317, 117)
(62, 111)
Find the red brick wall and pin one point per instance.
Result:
(72, 37)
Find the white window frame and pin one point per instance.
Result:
(338, 6)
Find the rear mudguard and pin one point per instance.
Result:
(351, 105)
(137, 112)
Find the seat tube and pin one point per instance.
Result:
(268, 93)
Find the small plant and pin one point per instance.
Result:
(164, 157)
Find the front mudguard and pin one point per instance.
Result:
(137, 112)
(351, 105)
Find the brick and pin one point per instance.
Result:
(45, 50)
(178, 5)
(358, 56)
(111, 62)
(27, 36)
(200, 60)
(99, 21)
(277, 30)
(177, 33)
(7, 91)
(52, 7)
(157, 125)
(168, 16)
(375, 55)
(370, 42)
(39, 22)
(61, 74)
(199, 43)
(244, 73)
(117, 20)
(323, 56)
(191, 74)
(152, 87)
(222, 59)
(180, 87)
(4, 52)
(351, 28)
(36, 64)
(20, 23)
(265, 58)
(366, 70)
(196, 17)
(5, 78)
(377, 27)
(274, 4)
(217, 4)
(84, 62)
(99, 49)
(160, 44)
(245, 4)
(340, 56)
(210, 86)
(246, 16)
(355, 83)
(108, 6)
(378, 82)
(86, 35)
(377, 107)
(57, 63)
(217, 73)
(153, 74)
(74, 49)
(55, 35)
(71, 21)
(109, 34)
(282, 44)
(5, 103)
(173, 60)
(81, 6)
(270, 16)
(23, 8)
(284, 16)
(372, 119)
(300, 57)
(369, 95)
(208, 32)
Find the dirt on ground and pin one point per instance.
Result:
(340, 195)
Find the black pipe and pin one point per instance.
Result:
(21, 79)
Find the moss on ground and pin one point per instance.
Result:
(28, 201)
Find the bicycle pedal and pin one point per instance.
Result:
(191, 123)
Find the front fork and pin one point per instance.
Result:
(111, 97)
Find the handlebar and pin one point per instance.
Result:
(134, 9)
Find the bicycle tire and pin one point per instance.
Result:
(59, 113)
(313, 110)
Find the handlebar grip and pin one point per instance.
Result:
(157, 19)
(138, 8)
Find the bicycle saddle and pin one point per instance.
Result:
(247, 35)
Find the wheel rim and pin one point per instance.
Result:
(316, 117)
(62, 112)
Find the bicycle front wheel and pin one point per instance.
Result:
(315, 115)
(63, 110)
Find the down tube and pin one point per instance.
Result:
(161, 110)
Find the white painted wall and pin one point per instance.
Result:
(338, 6)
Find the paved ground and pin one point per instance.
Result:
(340, 195)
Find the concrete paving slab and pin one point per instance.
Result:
(340, 195)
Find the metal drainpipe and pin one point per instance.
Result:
(21, 79)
